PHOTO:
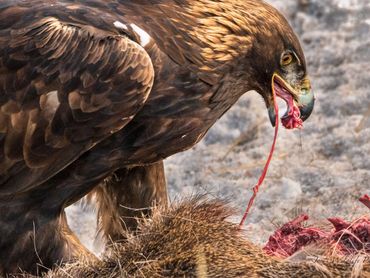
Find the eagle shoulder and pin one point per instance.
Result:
(64, 88)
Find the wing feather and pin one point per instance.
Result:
(63, 88)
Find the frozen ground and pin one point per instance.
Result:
(321, 170)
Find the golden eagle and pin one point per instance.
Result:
(94, 94)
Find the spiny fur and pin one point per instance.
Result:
(194, 239)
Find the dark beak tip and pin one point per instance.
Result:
(307, 109)
(272, 116)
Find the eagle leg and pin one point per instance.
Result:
(36, 240)
(128, 194)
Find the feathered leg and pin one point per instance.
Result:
(35, 240)
(128, 194)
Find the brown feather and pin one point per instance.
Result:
(48, 39)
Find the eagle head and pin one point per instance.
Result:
(276, 65)
(257, 48)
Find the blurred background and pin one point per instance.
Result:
(322, 169)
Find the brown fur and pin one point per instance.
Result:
(194, 239)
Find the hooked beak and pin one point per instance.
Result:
(300, 102)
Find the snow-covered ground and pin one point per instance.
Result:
(322, 169)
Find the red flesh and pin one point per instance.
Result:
(291, 237)
(365, 200)
(346, 238)
(292, 119)
(350, 238)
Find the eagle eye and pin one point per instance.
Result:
(286, 59)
